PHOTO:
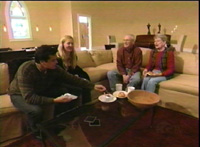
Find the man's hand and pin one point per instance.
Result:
(62, 99)
(100, 88)
(126, 79)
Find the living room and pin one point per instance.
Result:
(51, 20)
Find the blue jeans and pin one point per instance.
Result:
(115, 77)
(150, 83)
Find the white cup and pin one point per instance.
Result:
(130, 88)
(118, 87)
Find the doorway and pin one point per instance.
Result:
(84, 32)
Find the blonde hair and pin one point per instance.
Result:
(68, 58)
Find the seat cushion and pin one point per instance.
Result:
(96, 74)
(6, 106)
(108, 66)
(182, 83)
(13, 123)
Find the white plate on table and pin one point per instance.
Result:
(103, 98)
(116, 94)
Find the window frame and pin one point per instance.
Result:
(8, 21)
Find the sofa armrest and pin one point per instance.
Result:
(4, 78)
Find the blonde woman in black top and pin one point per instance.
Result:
(67, 59)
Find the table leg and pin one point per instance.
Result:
(45, 134)
(152, 116)
(43, 138)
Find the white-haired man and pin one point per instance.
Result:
(129, 61)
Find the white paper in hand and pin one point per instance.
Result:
(68, 95)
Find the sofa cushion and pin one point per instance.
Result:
(182, 83)
(145, 56)
(101, 56)
(108, 66)
(85, 59)
(4, 78)
(114, 54)
(96, 74)
(6, 106)
(186, 63)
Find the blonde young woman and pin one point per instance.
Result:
(67, 59)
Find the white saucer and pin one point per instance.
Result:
(115, 94)
(103, 98)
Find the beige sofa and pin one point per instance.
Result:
(180, 93)
(96, 63)
(11, 120)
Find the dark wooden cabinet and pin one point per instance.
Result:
(29, 52)
(147, 41)
(109, 46)
(5, 49)
(6, 56)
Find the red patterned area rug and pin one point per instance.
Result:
(170, 129)
(29, 141)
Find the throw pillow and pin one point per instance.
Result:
(101, 56)
(84, 59)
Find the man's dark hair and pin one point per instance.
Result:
(44, 52)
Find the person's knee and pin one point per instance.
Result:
(135, 80)
(110, 74)
(35, 112)
(152, 82)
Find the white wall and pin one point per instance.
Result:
(122, 17)
(108, 18)
(1, 24)
(65, 18)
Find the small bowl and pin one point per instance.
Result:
(143, 99)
